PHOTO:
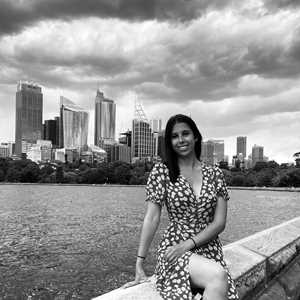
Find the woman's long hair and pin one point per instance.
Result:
(171, 159)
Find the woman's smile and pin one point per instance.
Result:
(183, 140)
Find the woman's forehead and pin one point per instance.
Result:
(180, 127)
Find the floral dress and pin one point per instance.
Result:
(188, 215)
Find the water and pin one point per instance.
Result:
(77, 242)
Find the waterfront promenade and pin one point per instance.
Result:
(77, 242)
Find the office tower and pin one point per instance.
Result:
(6, 149)
(155, 125)
(219, 150)
(41, 151)
(73, 128)
(125, 138)
(142, 140)
(257, 154)
(50, 131)
(241, 146)
(212, 151)
(142, 145)
(29, 115)
(105, 119)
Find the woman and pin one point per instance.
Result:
(190, 257)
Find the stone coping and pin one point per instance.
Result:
(253, 262)
(252, 188)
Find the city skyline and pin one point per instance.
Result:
(211, 61)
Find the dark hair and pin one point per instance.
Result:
(171, 159)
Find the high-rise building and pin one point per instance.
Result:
(241, 146)
(142, 140)
(155, 125)
(73, 128)
(105, 119)
(29, 115)
(50, 131)
(142, 145)
(212, 151)
(257, 154)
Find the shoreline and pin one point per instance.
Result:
(276, 189)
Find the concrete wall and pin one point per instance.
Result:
(265, 266)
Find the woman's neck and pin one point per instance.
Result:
(189, 161)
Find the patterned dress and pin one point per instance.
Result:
(188, 215)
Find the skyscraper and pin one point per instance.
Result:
(29, 115)
(213, 151)
(241, 146)
(257, 154)
(50, 130)
(142, 145)
(73, 128)
(105, 119)
(155, 125)
(142, 140)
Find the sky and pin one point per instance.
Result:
(233, 66)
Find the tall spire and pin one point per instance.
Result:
(139, 111)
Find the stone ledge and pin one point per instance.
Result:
(253, 262)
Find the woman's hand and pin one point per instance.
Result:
(140, 277)
(175, 251)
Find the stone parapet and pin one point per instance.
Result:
(265, 266)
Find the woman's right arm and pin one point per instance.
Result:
(150, 224)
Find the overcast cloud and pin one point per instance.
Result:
(233, 65)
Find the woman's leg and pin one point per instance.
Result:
(208, 274)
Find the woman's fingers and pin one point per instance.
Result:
(135, 282)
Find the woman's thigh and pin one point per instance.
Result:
(204, 271)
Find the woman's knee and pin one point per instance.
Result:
(205, 272)
(218, 275)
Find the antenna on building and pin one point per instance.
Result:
(139, 111)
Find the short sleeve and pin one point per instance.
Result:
(156, 184)
(221, 184)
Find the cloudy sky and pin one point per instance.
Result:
(234, 66)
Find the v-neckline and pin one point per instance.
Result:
(191, 187)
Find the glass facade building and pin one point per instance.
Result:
(73, 127)
(29, 115)
(241, 146)
(105, 119)
(142, 145)
(212, 151)
(257, 154)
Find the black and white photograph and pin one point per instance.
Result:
(149, 150)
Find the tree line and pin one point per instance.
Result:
(268, 174)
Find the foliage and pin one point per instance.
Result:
(263, 174)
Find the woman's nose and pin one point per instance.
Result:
(180, 138)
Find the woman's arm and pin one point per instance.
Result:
(150, 224)
(203, 237)
(214, 228)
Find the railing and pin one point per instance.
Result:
(265, 266)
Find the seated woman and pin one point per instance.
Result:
(190, 257)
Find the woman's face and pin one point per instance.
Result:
(183, 139)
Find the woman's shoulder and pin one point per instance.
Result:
(213, 169)
(160, 167)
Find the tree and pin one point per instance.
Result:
(260, 165)
(31, 173)
(238, 180)
(59, 174)
(122, 173)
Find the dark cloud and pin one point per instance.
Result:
(15, 15)
(281, 4)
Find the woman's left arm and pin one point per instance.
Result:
(213, 229)
(210, 232)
